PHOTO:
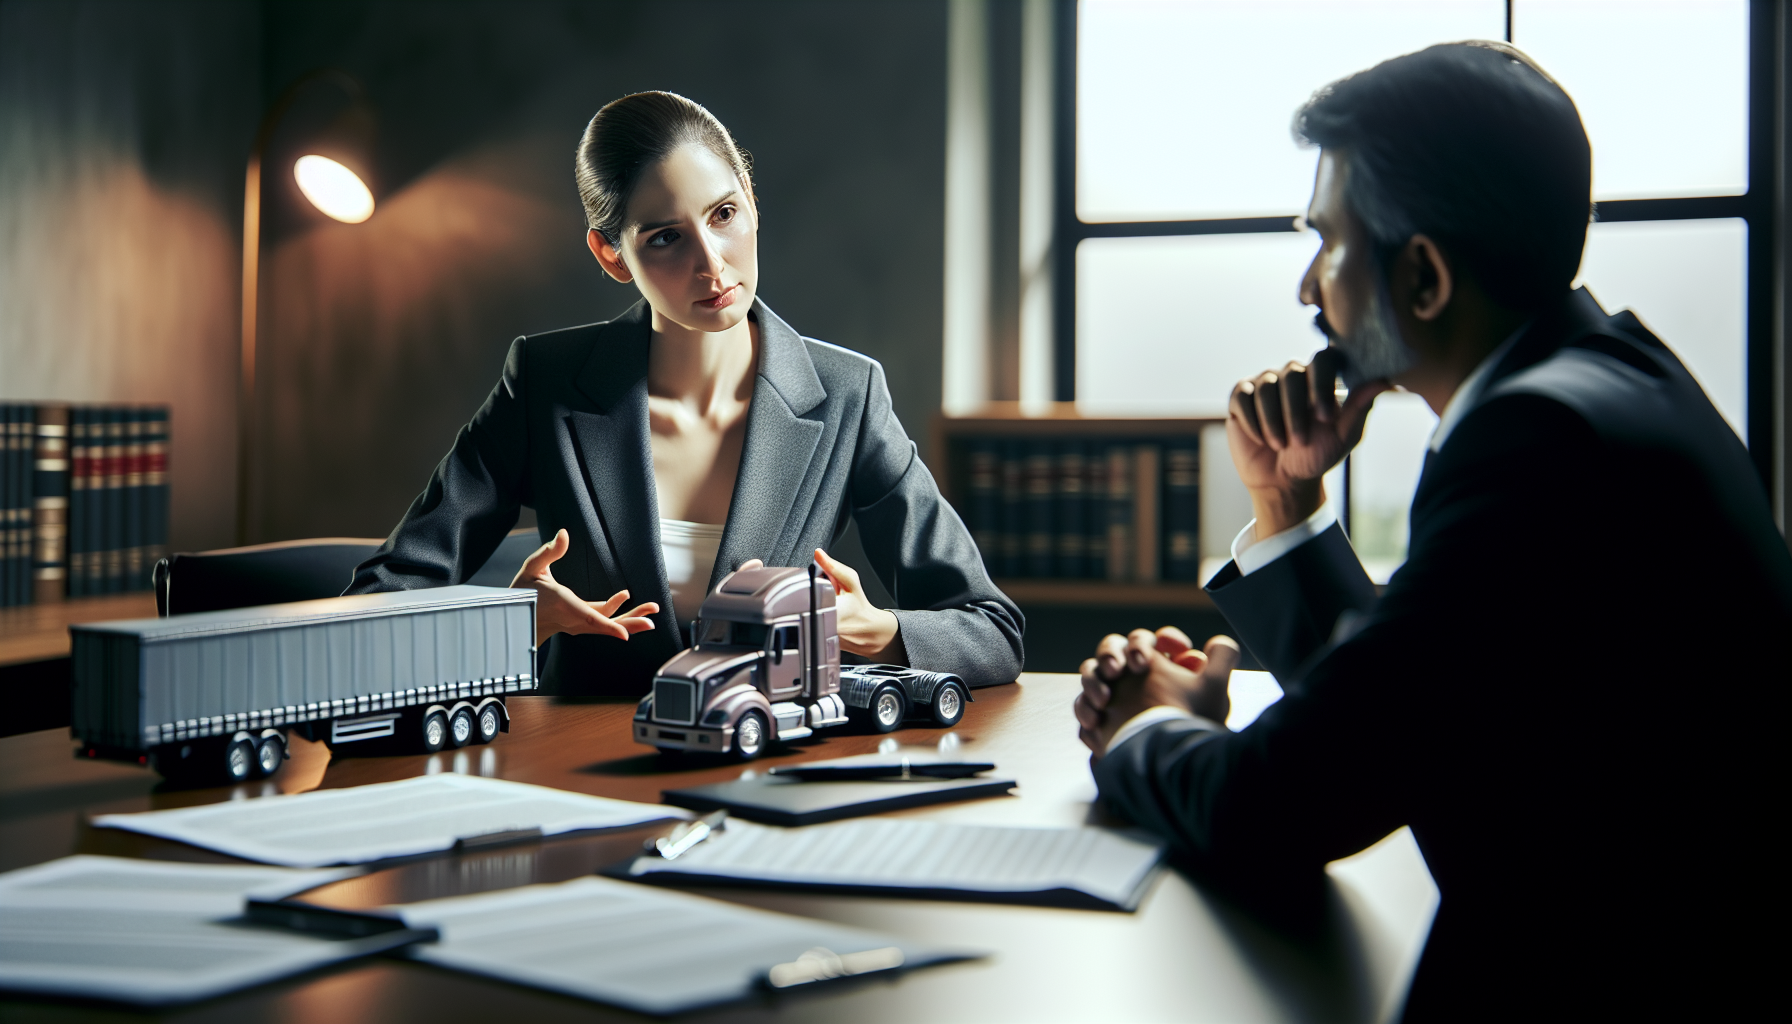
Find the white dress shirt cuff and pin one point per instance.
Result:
(1251, 554)
(1151, 716)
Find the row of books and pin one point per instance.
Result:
(1126, 511)
(84, 499)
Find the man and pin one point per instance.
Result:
(1565, 690)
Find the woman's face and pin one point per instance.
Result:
(690, 241)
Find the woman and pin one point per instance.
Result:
(692, 435)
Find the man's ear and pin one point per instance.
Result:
(607, 256)
(1434, 284)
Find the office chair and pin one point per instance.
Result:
(294, 570)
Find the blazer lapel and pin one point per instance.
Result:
(618, 458)
(776, 455)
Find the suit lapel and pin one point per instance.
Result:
(618, 458)
(777, 453)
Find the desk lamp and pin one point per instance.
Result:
(326, 177)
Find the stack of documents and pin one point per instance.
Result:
(648, 950)
(428, 814)
(1075, 867)
(154, 933)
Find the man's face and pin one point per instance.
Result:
(1348, 287)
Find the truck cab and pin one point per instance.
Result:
(765, 668)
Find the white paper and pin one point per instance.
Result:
(426, 814)
(907, 854)
(150, 932)
(643, 948)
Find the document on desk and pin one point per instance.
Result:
(648, 950)
(1076, 866)
(155, 933)
(428, 814)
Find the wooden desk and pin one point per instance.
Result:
(1185, 955)
(38, 632)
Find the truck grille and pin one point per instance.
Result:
(675, 700)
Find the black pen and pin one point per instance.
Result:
(902, 769)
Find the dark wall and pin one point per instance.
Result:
(380, 339)
(123, 129)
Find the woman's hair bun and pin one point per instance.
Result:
(628, 135)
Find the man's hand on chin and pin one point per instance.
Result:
(1144, 670)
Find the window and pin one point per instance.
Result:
(1177, 215)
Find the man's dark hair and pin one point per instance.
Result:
(1474, 145)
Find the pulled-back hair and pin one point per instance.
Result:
(1474, 145)
(627, 136)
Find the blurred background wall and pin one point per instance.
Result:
(124, 128)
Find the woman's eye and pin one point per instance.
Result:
(725, 214)
(663, 239)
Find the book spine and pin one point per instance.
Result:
(114, 533)
(1182, 511)
(984, 501)
(9, 504)
(155, 482)
(1041, 496)
(93, 512)
(1095, 518)
(1073, 527)
(77, 502)
(49, 490)
(1119, 517)
(134, 578)
(1147, 509)
(1013, 510)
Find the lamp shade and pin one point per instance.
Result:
(333, 188)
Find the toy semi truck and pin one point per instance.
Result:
(213, 695)
(766, 668)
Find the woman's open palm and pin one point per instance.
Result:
(559, 610)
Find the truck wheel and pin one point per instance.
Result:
(750, 736)
(490, 721)
(888, 708)
(270, 751)
(435, 731)
(239, 760)
(461, 727)
(948, 704)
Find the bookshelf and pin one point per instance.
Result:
(953, 440)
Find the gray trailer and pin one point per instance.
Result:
(215, 693)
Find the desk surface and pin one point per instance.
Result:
(37, 632)
(1185, 955)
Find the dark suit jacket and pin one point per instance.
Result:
(1563, 693)
(565, 432)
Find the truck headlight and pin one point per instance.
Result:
(644, 709)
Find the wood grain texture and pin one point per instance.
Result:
(1187, 954)
(35, 632)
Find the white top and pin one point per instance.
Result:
(690, 551)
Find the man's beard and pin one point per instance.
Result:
(1374, 350)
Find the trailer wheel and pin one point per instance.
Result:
(749, 736)
(435, 731)
(948, 704)
(239, 760)
(888, 708)
(491, 719)
(270, 751)
(461, 727)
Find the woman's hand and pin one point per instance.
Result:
(559, 610)
(863, 628)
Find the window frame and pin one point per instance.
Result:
(1755, 208)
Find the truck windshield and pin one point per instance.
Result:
(733, 634)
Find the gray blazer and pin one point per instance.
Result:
(565, 433)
